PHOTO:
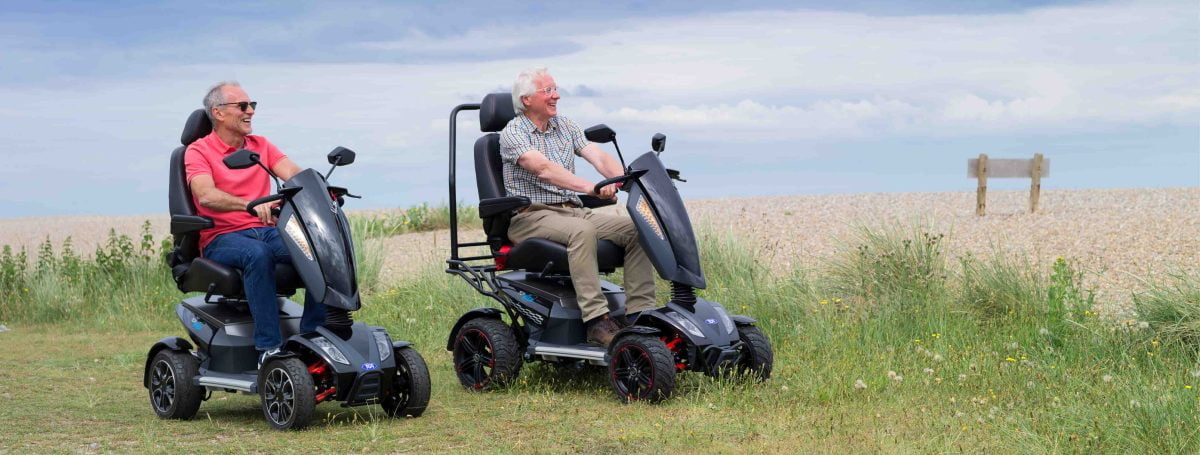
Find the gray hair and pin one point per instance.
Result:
(525, 86)
(215, 97)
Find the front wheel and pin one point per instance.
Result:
(641, 368)
(287, 394)
(172, 394)
(757, 357)
(486, 354)
(410, 386)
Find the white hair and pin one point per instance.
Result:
(216, 96)
(525, 86)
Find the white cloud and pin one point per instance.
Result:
(746, 77)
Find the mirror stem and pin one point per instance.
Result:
(331, 168)
(619, 153)
(272, 174)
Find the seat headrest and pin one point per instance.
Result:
(495, 111)
(198, 125)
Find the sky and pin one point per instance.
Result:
(755, 98)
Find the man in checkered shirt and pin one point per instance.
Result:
(538, 148)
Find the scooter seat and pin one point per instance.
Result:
(203, 272)
(533, 255)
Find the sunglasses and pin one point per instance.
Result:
(242, 105)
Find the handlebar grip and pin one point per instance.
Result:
(262, 200)
(618, 179)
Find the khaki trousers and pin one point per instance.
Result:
(579, 229)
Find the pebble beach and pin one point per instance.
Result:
(1120, 238)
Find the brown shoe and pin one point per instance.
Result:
(601, 331)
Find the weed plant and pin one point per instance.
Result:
(413, 219)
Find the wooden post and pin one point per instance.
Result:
(981, 194)
(1035, 188)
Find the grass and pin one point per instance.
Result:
(975, 355)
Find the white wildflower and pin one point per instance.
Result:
(860, 385)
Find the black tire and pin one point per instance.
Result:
(486, 354)
(287, 392)
(172, 392)
(641, 368)
(409, 394)
(757, 356)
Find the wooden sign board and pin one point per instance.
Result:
(1004, 168)
(982, 168)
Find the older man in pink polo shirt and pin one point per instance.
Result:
(237, 238)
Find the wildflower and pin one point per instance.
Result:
(937, 380)
(824, 302)
(1029, 384)
(1106, 378)
(1143, 325)
(1135, 404)
(410, 320)
(935, 335)
(837, 300)
(1014, 346)
(1188, 386)
(1043, 332)
(1010, 359)
(1196, 373)
(784, 388)
(928, 371)
(962, 377)
(859, 384)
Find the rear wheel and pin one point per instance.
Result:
(757, 357)
(410, 386)
(486, 354)
(641, 367)
(287, 394)
(172, 394)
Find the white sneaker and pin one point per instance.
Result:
(262, 358)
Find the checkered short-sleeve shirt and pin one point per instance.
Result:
(561, 142)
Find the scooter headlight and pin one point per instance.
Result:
(383, 343)
(330, 350)
(725, 319)
(686, 323)
(293, 230)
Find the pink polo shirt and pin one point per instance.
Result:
(204, 157)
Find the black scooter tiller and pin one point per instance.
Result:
(531, 282)
(344, 360)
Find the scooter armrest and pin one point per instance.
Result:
(185, 224)
(592, 202)
(497, 205)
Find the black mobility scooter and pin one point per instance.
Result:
(345, 361)
(532, 283)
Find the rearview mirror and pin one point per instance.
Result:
(241, 159)
(341, 156)
(600, 134)
(658, 143)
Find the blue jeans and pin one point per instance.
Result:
(256, 251)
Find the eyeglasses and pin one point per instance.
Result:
(547, 90)
(242, 105)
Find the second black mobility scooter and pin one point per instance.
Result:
(344, 360)
(531, 281)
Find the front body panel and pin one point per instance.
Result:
(664, 228)
(317, 235)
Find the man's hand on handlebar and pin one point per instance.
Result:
(609, 191)
(265, 213)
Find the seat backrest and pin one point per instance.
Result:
(495, 112)
(187, 245)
